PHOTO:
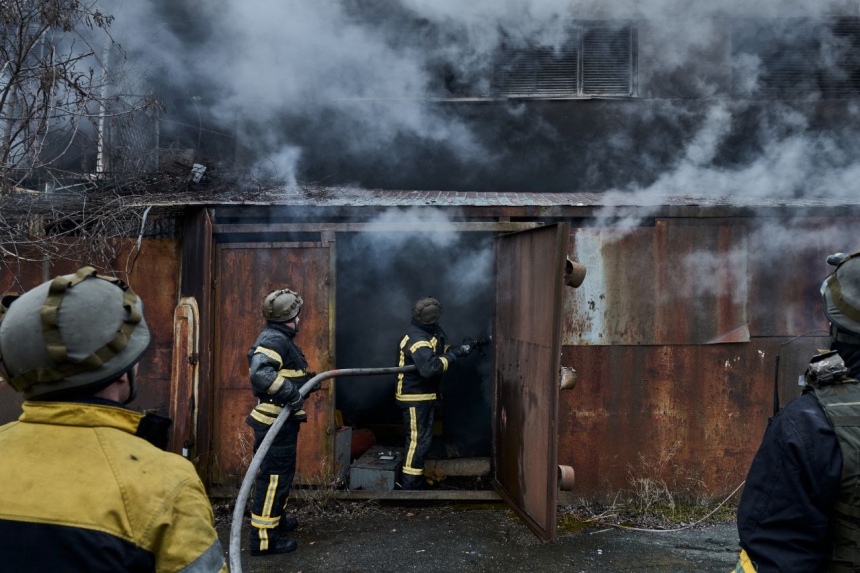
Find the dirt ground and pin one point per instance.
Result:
(374, 538)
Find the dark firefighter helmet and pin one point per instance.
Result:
(282, 305)
(427, 310)
(841, 292)
(72, 335)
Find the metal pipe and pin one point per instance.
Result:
(239, 509)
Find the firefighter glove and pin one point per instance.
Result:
(296, 404)
(462, 350)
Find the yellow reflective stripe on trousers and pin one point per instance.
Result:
(270, 495)
(413, 443)
(271, 354)
(261, 522)
(415, 397)
(744, 564)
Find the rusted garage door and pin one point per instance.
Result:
(245, 274)
(529, 290)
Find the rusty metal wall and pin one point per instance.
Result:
(154, 277)
(245, 274)
(667, 284)
(527, 330)
(674, 335)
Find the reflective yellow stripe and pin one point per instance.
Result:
(262, 418)
(261, 522)
(744, 564)
(420, 344)
(264, 539)
(413, 439)
(269, 408)
(270, 495)
(413, 471)
(402, 363)
(444, 363)
(271, 354)
(292, 373)
(276, 385)
(415, 397)
(434, 342)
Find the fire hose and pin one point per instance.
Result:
(257, 461)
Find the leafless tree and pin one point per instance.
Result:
(65, 185)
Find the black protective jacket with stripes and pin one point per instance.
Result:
(424, 346)
(278, 367)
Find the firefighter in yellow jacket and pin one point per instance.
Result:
(84, 483)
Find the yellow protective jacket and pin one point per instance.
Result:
(80, 492)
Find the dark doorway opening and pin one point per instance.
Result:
(379, 276)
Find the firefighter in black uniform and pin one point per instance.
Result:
(417, 391)
(800, 510)
(277, 370)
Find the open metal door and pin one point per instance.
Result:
(245, 274)
(527, 330)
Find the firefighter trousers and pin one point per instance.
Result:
(418, 425)
(273, 482)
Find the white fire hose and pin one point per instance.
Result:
(257, 461)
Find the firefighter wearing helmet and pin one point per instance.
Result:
(424, 346)
(278, 369)
(84, 483)
(800, 509)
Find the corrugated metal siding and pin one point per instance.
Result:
(689, 415)
(666, 284)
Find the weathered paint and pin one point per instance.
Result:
(154, 275)
(691, 416)
(527, 331)
(196, 282)
(245, 274)
(185, 378)
(667, 284)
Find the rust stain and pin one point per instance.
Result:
(690, 415)
(245, 274)
(527, 329)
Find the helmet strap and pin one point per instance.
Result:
(132, 384)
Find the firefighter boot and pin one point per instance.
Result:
(281, 545)
(287, 524)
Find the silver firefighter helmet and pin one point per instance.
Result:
(72, 335)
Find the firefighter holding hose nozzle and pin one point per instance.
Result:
(800, 509)
(277, 368)
(424, 346)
